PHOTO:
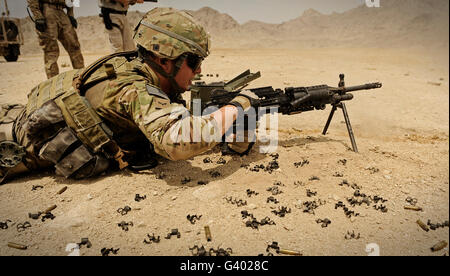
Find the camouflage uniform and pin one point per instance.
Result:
(135, 105)
(133, 108)
(59, 28)
(114, 108)
(118, 29)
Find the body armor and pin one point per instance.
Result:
(61, 126)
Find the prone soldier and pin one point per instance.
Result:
(53, 24)
(123, 108)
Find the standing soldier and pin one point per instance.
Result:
(53, 24)
(114, 13)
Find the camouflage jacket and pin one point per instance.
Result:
(37, 8)
(133, 106)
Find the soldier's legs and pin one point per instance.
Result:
(69, 39)
(115, 34)
(128, 43)
(51, 54)
(12, 120)
(9, 114)
(48, 42)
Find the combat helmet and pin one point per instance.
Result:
(169, 33)
(175, 35)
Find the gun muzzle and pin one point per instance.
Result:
(366, 86)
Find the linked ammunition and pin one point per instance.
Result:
(208, 233)
(414, 208)
(438, 246)
(49, 209)
(35, 187)
(17, 246)
(34, 216)
(173, 232)
(289, 252)
(62, 190)
(423, 225)
(152, 238)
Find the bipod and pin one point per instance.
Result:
(341, 105)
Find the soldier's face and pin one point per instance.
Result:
(186, 75)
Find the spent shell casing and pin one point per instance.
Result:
(438, 246)
(62, 190)
(414, 208)
(49, 209)
(423, 225)
(17, 246)
(208, 233)
(289, 252)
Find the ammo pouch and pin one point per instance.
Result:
(105, 13)
(63, 148)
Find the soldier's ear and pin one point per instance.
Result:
(166, 64)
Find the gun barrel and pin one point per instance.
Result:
(366, 86)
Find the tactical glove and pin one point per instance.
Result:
(73, 21)
(41, 25)
(246, 99)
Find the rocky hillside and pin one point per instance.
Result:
(397, 23)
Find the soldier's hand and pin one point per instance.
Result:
(246, 99)
(41, 25)
(73, 21)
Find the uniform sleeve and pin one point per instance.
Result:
(173, 132)
(35, 9)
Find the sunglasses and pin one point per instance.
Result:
(193, 61)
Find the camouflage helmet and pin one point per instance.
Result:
(169, 33)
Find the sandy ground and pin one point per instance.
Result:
(402, 132)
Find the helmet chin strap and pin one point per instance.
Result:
(171, 77)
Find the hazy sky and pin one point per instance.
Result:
(270, 11)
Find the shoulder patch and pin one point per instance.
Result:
(154, 91)
(160, 103)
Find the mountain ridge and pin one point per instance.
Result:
(397, 23)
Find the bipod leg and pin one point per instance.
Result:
(330, 117)
(349, 126)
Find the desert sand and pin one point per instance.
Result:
(402, 133)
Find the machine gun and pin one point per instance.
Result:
(291, 100)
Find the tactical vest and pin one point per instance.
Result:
(60, 125)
